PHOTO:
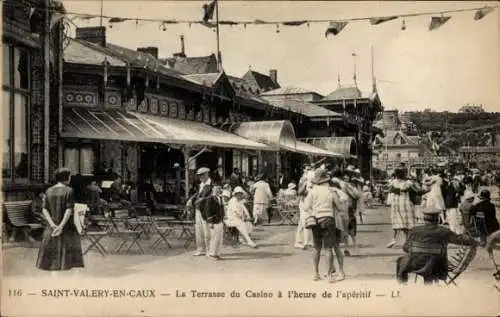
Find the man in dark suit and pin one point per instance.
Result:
(426, 249)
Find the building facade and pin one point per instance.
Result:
(32, 60)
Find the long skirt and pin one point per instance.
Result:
(402, 212)
(59, 253)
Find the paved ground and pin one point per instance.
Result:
(276, 264)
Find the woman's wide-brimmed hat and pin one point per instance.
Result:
(320, 177)
(469, 195)
(239, 190)
(292, 186)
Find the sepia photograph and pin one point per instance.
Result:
(250, 158)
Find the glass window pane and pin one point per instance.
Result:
(20, 136)
(6, 65)
(86, 161)
(71, 160)
(6, 170)
(21, 68)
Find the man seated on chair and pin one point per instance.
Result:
(426, 249)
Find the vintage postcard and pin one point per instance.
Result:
(263, 158)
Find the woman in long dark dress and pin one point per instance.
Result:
(61, 247)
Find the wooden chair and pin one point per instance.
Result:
(17, 212)
(288, 212)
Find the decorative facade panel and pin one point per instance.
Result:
(143, 107)
(153, 105)
(82, 97)
(131, 104)
(173, 109)
(164, 107)
(114, 100)
(182, 111)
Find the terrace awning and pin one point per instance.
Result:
(138, 127)
(345, 146)
(276, 134)
(308, 149)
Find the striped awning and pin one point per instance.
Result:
(345, 146)
(308, 149)
(138, 127)
(276, 134)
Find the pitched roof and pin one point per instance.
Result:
(193, 65)
(79, 52)
(116, 55)
(242, 86)
(208, 80)
(344, 93)
(390, 136)
(299, 106)
(264, 82)
(288, 90)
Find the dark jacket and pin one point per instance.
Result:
(210, 209)
(429, 243)
(485, 217)
(452, 191)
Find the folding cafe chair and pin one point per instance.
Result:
(88, 232)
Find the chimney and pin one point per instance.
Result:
(92, 34)
(149, 50)
(182, 53)
(273, 73)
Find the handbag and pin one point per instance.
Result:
(311, 222)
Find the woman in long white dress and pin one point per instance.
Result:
(238, 215)
(434, 198)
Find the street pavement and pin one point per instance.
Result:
(275, 265)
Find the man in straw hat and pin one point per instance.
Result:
(320, 204)
(426, 248)
(204, 212)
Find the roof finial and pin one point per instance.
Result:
(338, 80)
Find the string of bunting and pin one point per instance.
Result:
(334, 28)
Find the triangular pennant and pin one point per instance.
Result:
(117, 20)
(208, 10)
(209, 24)
(56, 17)
(379, 20)
(437, 22)
(335, 28)
(294, 23)
(481, 13)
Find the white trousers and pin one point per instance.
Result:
(244, 227)
(216, 238)
(454, 219)
(208, 237)
(303, 236)
(202, 232)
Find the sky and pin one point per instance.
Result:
(416, 68)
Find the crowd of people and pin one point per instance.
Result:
(427, 213)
